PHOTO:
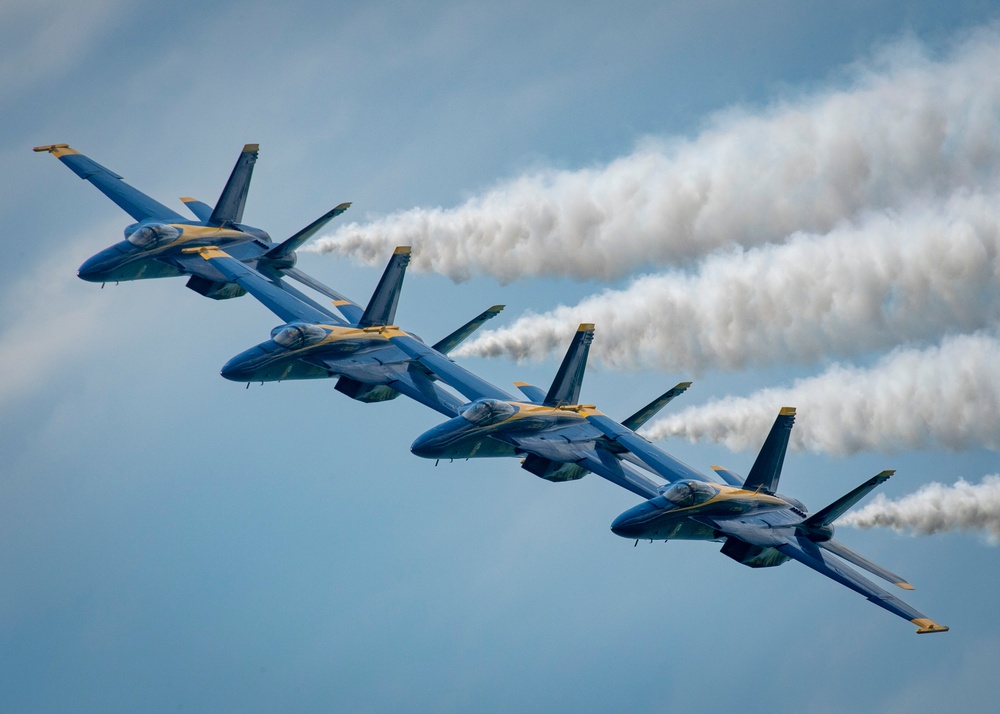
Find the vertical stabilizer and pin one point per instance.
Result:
(767, 468)
(565, 387)
(381, 308)
(229, 209)
(649, 411)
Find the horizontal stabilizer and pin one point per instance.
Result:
(835, 510)
(565, 387)
(199, 208)
(649, 411)
(728, 476)
(534, 394)
(766, 469)
(134, 202)
(229, 208)
(381, 308)
(292, 244)
(850, 556)
(462, 333)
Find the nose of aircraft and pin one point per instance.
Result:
(632, 523)
(96, 268)
(428, 445)
(242, 367)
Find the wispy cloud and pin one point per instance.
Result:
(892, 278)
(946, 396)
(49, 318)
(936, 508)
(907, 125)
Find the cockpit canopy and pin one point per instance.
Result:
(484, 412)
(297, 334)
(149, 235)
(684, 494)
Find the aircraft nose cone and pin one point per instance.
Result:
(633, 522)
(429, 445)
(91, 269)
(242, 367)
(623, 526)
(423, 446)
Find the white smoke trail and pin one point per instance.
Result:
(894, 278)
(946, 396)
(908, 126)
(936, 508)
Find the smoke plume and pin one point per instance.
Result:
(904, 125)
(893, 278)
(936, 508)
(946, 396)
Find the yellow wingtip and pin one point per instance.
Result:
(905, 586)
(251, 147)
(402, 250)
(787, 411)
(57, 150)
(585, 327)
(926, 625)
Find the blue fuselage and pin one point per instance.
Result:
(126, 260)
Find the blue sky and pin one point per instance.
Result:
(172, 541)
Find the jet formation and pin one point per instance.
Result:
(555, 436)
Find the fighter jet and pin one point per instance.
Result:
(363, 348)
(762, 528)
(154, 245)
(559, 438)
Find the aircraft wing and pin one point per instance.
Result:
(281, 302)
(350, 309)
(808, 553)
(467, 383)
(134, 202)
(605, 464)
(419, 387)
(811, 554)
(656, 460)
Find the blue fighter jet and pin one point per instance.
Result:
(362, 347)
(561, 439)
(154, 245)
(762, 528)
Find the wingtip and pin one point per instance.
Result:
(926, 625)
(787, 411)
(343, 206)
(56, 149)
(683, 385)
(585, 327)
(496, 308)
(247, 148)
(402, 250)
